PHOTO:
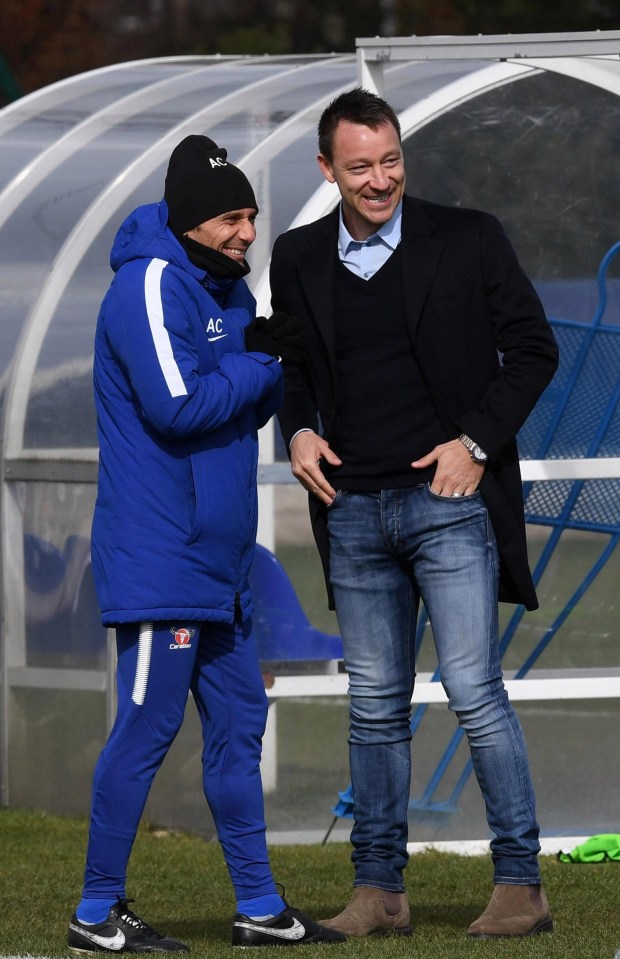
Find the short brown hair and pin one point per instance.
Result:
(355, 106)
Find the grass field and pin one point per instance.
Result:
(181, 888)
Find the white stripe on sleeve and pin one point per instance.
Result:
(161, 338)
(145, 644)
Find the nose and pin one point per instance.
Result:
(247, 231)
(379, 178)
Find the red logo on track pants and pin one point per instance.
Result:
(182, 636)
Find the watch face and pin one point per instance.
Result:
(477, 454)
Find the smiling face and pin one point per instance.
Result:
(367, 166)
(230, 233)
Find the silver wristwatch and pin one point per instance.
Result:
(476, 452)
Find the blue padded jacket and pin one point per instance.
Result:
(179, 403)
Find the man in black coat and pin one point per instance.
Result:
(426, 349)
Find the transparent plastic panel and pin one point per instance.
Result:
(78, 174)
(55, 737)
(573, 795)
(37, 121)
(297, 552)
(284, 182)
(576, 624)
(408, 83)
(62, 622)
(541, 153)
(309, 766)
(60, 411)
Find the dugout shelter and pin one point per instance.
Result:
(527, 127)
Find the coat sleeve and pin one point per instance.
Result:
(299, 408)
(523, 338)
(154, 339)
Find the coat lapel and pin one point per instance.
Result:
(317, 267)
(421, 255)
(316, 272)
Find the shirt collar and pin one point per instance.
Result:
(388, 233)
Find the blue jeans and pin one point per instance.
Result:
(390, 549)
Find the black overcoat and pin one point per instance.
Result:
(479, 334)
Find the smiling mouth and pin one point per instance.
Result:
(378, 199)
(234, 251)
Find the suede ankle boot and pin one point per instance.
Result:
(513, 911)
(367, 915)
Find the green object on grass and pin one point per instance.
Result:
(602, 848)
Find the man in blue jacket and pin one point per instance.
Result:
(184, 377)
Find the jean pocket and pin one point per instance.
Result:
(340, 493)
(454, 499)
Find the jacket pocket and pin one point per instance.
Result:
(196, 503)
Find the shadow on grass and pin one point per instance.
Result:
(196, 930)
(436, 914)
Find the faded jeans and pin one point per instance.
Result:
(389, 549)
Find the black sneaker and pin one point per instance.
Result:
(122, 931)
(289, 928)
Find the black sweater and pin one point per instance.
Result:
(387, 419)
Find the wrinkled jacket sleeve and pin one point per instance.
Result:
(156, 344)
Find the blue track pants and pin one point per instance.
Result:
(158, 665)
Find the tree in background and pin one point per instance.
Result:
(467, 17)
(42, 41)
(46, 40)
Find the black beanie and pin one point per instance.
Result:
(201, 184)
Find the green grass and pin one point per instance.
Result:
(182, 888)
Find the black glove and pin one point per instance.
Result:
(277, 335)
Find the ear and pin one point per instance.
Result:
(326, 168)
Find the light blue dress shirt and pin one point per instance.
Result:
(365, 257)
